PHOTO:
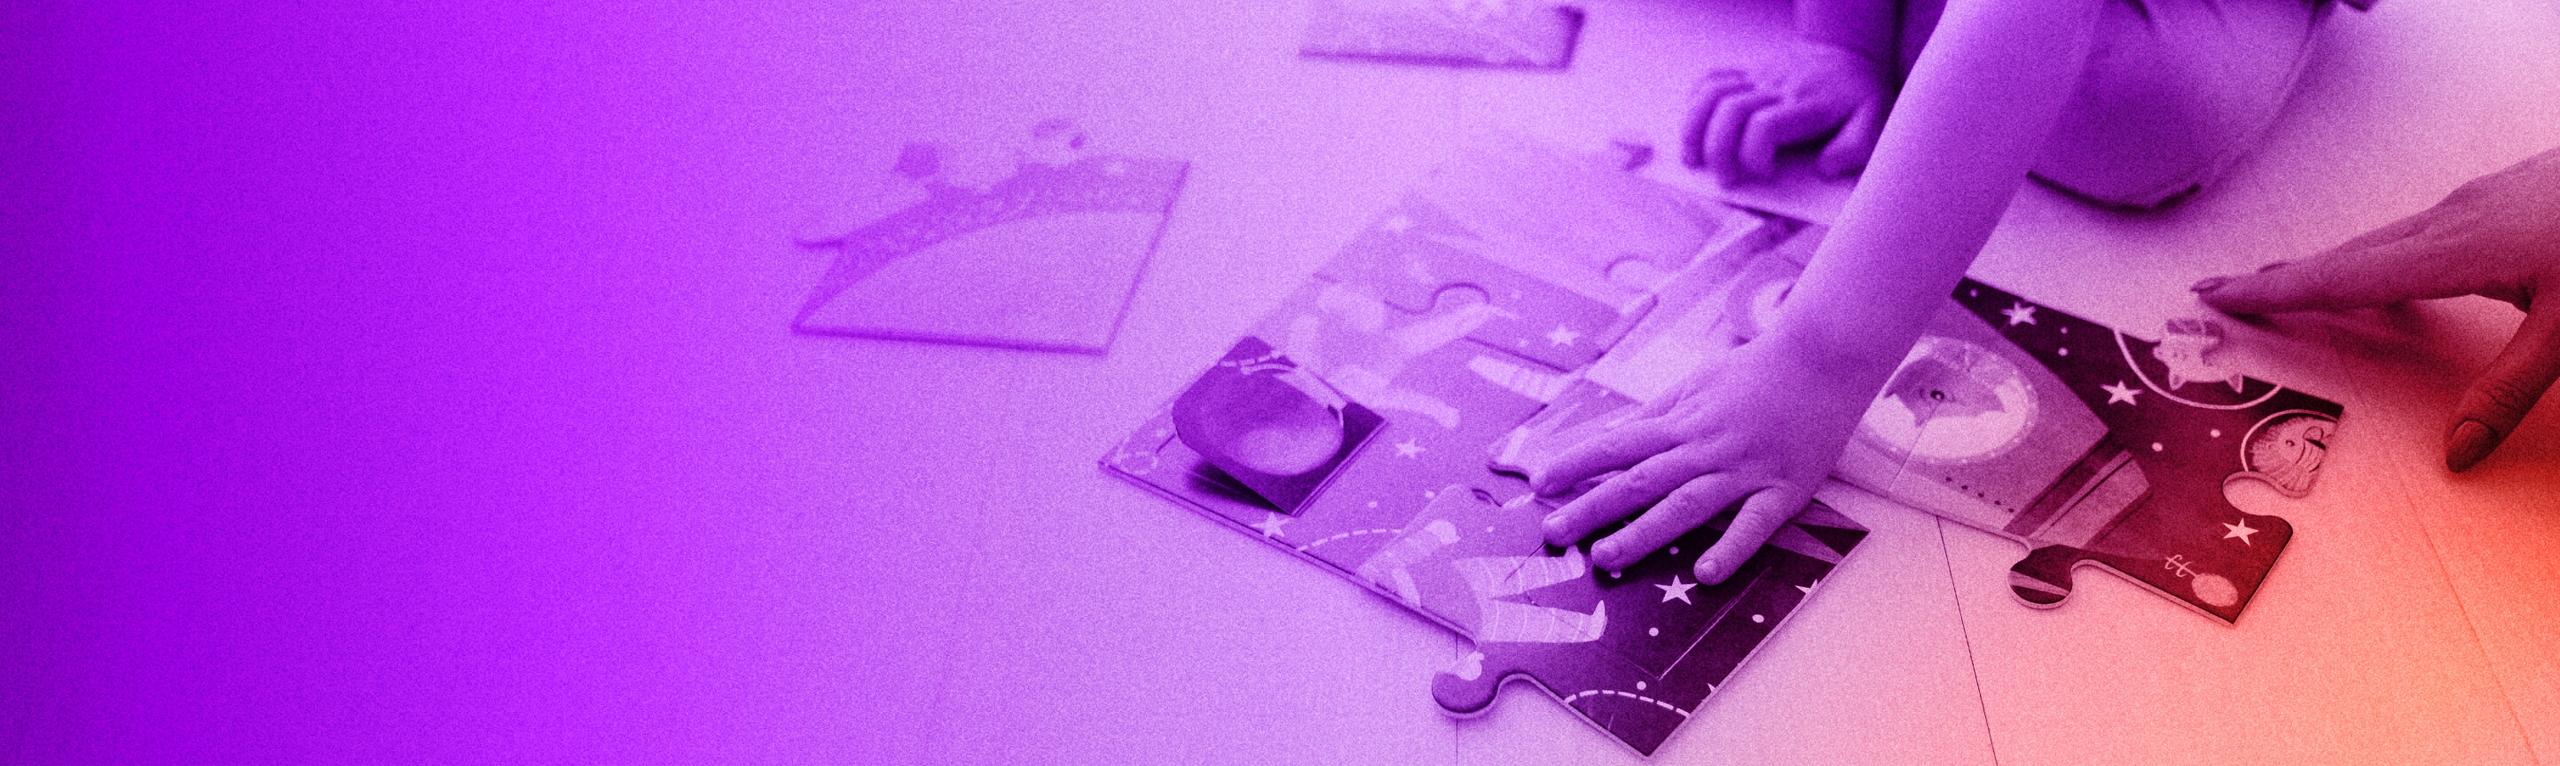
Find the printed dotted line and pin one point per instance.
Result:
(1352, 533)
(1636, 697)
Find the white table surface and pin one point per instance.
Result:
(399, 383)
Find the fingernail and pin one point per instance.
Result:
(2468, 445)
(1707, 571)
(1604, 554)
(2274, 266)
(2208, 284)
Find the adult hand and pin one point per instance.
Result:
(2497, 236)
(1816, 93)
(1759, 427)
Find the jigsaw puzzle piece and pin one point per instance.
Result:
(1584, 410)
(1270, 425)
(1495, 33)
(1417, 260)
(1675, 612)
(2215, 571)
(1717, 303)
(1156, 459)
(1705, 312)
(1415, 367)
(1044, 259)
(1462, 555)
(1578, 221)
(1441, 397)
(2145, 496)
(1972, 428)
(1663, 643)
(1604, 690)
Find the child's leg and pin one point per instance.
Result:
(2174, 91)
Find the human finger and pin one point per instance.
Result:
(2401, 261)
(1759, 517)
(1681, 510)
(1768, 129)
(1621, 495)
(1724, 131)
(1849, 149)
(1621, 447)
(2498, 400)
(1710, 94)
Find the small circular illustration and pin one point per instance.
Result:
(2214, 589)
(2287, 448)
(1951, 401)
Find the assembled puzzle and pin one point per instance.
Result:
(1380, 420)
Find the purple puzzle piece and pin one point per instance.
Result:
(1636, 652)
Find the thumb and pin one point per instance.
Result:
(2499, 399)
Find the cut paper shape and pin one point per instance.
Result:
(1465, 33)
(1045, 259)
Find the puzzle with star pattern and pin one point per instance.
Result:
(1351, 428)
(2089, 446)
(1377, 423)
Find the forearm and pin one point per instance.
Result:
(1970, 123)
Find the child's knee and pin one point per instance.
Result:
(2174, 91)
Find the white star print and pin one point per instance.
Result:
(1678, 590)
(1408, 448)
(2020, 313)
(2122, 393)
(1563, 336)
(1116, 168)
(1398, 224)
(2240, 530)
(1272, 523)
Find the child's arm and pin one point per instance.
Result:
(1766, 426)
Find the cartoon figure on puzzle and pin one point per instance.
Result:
(1353, 341)
(2183, 344)
(1433, 554)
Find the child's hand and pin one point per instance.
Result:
(2497, 236)
(1817, 93)
(1762, 427)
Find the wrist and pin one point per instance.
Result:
(1842, 360)
(1842, 53)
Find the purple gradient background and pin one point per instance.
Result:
(410, 383)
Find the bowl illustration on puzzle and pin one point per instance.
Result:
(1269, 423)
(1262, 424)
